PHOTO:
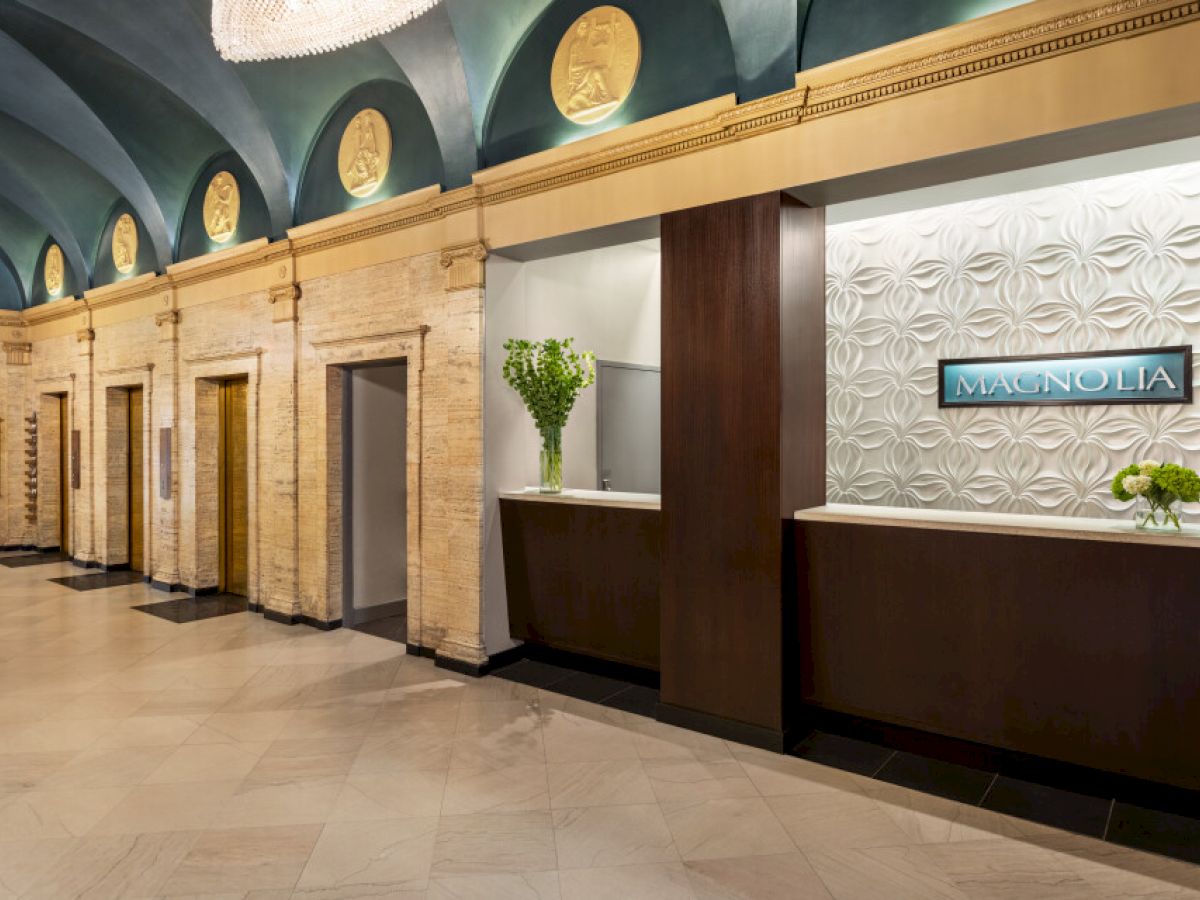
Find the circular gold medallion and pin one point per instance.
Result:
(596, 65)
(222, 206)
(53, 271)
(125, 244)
(365, 153)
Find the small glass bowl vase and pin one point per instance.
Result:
(551, 461)
(1150, 516)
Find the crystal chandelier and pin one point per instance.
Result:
(251, 30)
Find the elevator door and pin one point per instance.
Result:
(137, 494)
(234, 488)
(64, 476)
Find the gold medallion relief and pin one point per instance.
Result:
(222, 206)
(596, 65)
(54, 269)
(365, 153)
(124, 244)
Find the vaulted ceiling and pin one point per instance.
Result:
(122, 105)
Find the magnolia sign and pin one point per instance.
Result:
(1119, 376)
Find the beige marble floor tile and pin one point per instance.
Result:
(291, 803)
(335, 722)
(477, 717)
(896, 873)
(50, 735)
(115, 867)
(519, 743)
(661, 881)
(494, 842)
(509, 789)
(244, 859)
(288, 761)
(120, 767)
(573, 738)
(370, 796)
(236, 728)
(103, 705)
(835, 819)
(189, 703)
(711, 829)
(23, 771)
(207, 762)
(405, 718)
(206, 676)
(503, 886)
(999, 869)
(167, 807)
(692, 779)
(151, 731)
(405, 750)
(620, 782)
(41, 814)
(599, 836)
(786, 876)
(656, 740)
(395, 852)
(22, 863)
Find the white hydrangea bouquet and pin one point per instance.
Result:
(1159, 489)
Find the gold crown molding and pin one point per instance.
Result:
(430, 205)
(50, 312)
(122, 291)
(1045, 39)
(18, 353)
(11, 319)
(1065, 33)
(241, 258)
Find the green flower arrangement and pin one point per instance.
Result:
(549, 375)
(1161, 486)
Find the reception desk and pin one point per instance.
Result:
(1071, 639)
(582, 572)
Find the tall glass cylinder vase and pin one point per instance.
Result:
(551, 460)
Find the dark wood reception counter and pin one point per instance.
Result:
(582, 572)
(1071, 639)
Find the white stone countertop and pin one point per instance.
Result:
(617, 499)
(1118, 530)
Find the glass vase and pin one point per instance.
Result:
(551, 460)
(1153, 516)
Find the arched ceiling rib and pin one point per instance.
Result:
(32, 93)
(45, 221)
(167, 41)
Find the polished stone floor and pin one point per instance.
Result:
(231, 757)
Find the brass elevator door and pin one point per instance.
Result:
(137, 494)
(64, 475)
(234, 488)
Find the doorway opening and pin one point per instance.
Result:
(136, 483)
(375, 498)
(233, 506)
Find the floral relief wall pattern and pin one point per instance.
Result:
(1108, 264)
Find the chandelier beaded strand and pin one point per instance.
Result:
(254, 30)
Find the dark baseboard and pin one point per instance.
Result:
(272, 615)
(579, 662)
(12, 547)
(254, 607)
(116, 567)
(54, 549)
(1023, 766)
(201, 592)
(475, 670)
(726, 729)
(507, 657)
(171, 587)
(418, 650)
(85, 563)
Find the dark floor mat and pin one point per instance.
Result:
(97, 580)
(34, 559)
(194, 609)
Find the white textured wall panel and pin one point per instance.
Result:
(1107, 264)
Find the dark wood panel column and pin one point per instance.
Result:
(743, 437)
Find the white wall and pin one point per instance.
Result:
(1106, 264)
(608, 300)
